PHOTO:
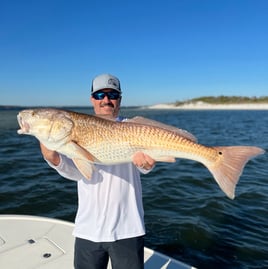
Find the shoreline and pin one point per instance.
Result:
(206, 106)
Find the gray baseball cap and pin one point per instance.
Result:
(105, 81)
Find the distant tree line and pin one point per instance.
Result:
(222, 99)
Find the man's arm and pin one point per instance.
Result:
(50, 155)
(62, 164)
(143, 161)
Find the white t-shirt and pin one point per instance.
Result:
(110, 203)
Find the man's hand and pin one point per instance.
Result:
(143, 161)
(50, 155)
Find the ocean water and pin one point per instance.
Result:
(187, 216)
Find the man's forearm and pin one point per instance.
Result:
(50, 155)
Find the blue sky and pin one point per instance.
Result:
(162, 51)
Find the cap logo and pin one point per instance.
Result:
(113, 82)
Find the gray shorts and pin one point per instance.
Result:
(125, 253)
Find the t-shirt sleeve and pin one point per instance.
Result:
(66, 168)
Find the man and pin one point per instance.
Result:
(109, 220)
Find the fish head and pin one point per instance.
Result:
(49, 126)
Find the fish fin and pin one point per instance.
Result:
(145, 121)
(230, 165)
(168, 159)
(79, 152)
(84, 167)
(82, 159)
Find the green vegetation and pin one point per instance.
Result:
(226, 100)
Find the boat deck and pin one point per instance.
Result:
(37, 242)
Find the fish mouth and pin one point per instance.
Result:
(24, 126)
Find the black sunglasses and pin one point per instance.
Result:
(111, 95)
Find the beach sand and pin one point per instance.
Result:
(206, 106)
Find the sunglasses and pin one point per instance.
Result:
(111, 95)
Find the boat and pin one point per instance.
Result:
(30, 242)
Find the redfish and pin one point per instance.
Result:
(88, 139)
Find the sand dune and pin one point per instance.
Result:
(206, 106)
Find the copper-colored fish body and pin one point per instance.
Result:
(89, 139)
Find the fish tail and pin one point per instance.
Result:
(228, 168)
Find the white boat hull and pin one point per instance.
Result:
(37, 242)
